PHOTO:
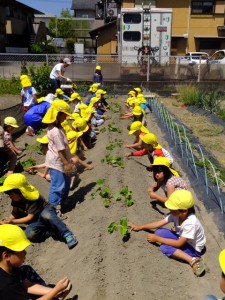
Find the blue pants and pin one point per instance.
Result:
(147, 104)
(59, 187)
(48, 224)
(169, 250)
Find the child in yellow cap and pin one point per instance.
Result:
(144, 102)
(10, 148)
(28, 93)
(137, 129)
(151, 148)
(18, 280)
(187, 242)
(93, 89)
(98, 77)
(30, 208)
(58, 157)
(166, 178)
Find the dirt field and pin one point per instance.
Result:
(103, 266)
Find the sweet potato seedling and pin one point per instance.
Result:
(113, 160)
(113, 128)
(28, 163)
(115, 144)
(97, 187)
(105, 194)
(123, 227)
(127, 194)
(112, 227)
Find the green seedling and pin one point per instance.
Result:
(113, 160)
(103, 129)
(113, 145)
(115, 107)
(106, 202)
(28, 163)
(117, 196)
(113, 128)
(112, 227)
(128, 195)
(105, 194)
(97, 187)
(123, 227)
(33, 147)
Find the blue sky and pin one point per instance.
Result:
(50, 6)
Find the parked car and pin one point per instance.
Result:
(193, 58)
(216, 65)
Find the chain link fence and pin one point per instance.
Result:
(114, 67)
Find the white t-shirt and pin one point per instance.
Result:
(191, 229)
(28, 96)
(57, 141)
(57, 68)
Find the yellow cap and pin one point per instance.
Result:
(11, 122)
(135, 102)
(164, 161)
(94, 100)
(222, 260)
(75, 96)
(43, 140)
(149, 139)
(141, 98)
(132, 93)
(80, 124)
(94, 87)
(139, 90)
(180, 199)
(56, 107)
(59, 92)
(100, 92)
(137, 125)
(98, 68)
(13, 237)
(137, 111)
(72, 137)
(19, 181)
(25, 81)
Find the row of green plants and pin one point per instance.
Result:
(211, 101)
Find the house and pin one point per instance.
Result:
(17, 28)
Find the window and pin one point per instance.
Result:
(132, 18)
(202, 7)
(131, 36)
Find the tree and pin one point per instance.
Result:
(62, 27)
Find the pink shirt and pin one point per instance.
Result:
(57, 141)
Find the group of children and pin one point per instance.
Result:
(67, 133)
(186, 241)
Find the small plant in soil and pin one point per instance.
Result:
(113, 160)
(33, 147)
(105, 194)
(113, 128)
(112, 227)
(115, 107)
(28, 163)
(123, 229)
(128, 195)
(115, 144)
(97, 187)
(103, 129)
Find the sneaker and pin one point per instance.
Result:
(71, 241)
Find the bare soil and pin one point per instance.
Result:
(103, 266)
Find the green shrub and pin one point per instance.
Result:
(9, 86)
(70, 45)
(189, 95)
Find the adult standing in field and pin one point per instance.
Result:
(98, 77)
(57, 74)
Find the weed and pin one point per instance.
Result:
(190, 95)
(9, 86)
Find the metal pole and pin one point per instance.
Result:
(150, 34)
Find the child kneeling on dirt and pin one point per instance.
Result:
(29, 207)
(187, 242)
(19, 281)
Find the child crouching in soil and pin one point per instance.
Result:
(187, 242)
(15, 282)
(29, 207)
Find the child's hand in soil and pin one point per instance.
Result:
(63, 285)
(152, 238)
(133, 227)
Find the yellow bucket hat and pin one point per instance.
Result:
(59, 92)
(141, 98)
(88, 112)
(149, 139)
(94, 100)
(136, 102)
(25, 81)
(10, 121)
(94, 87)
(13, 237)
(72, 137)
(75, 96)
(137, 125)
(19, 181)
(164, 161)
(100, 92)
(43, 140)
(137, 89)
(131, 93)
(80, 124)
(180, 199)
(98, 68)
(222, 260)
(56, 107)
(137, 111)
